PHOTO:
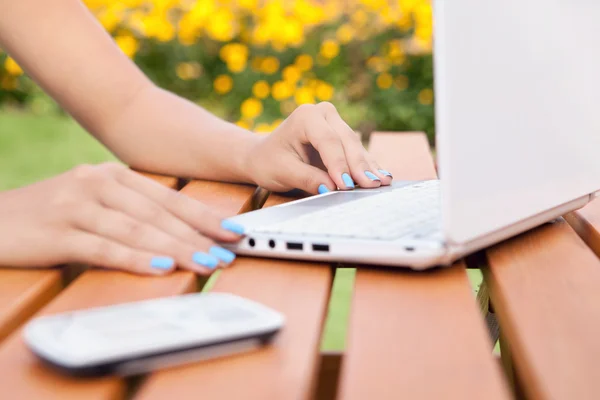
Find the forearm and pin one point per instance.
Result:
(163, 133)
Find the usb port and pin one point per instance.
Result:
(294, 246)
(320, 247)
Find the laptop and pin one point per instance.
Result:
(518, 145)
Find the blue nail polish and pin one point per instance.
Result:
(162, 262)
(232, 226)
(222, 254)
(372, 176)
(323, 189)
(205, 259)
(348, 181)
(384, 172)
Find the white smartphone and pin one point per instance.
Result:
(139, 337)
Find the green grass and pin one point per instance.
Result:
(36, 147)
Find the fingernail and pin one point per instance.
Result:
(372, 176)
(222, 254)
(162, 262)
(205, 259)
(232, 227)
(348, 181)
(323, 189)
(384, 172)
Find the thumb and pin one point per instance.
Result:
(303, 176)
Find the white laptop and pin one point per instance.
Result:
(517, 86)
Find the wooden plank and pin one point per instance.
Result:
(22, 293)
(23, 376)
(288, 367)
(168, 181)
(416, 335)
(586, 223)
(544, 287)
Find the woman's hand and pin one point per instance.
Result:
(316, 151)
(110, 216)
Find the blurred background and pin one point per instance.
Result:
(249, 61)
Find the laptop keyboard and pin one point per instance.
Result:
(410, 212)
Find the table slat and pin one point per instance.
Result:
(586, 223)
(22, 293)
(286, 369)
(22, 376)
(416, 335)
(544, 287)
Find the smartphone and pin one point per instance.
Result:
(140, 337)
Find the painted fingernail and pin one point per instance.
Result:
(323, 189)
(348, 181)
(222, 254)
(205, 259)
(372, 176)
(384, 172)
(232, 227)
(162, 262)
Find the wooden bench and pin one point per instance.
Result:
(410, 335)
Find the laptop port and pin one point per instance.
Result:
(251, 242)
(320, 247)
(272, 243)
(409, 248)
(294, 246)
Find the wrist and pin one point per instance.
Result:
(243, 160)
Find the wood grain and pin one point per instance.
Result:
(416, 335)
(544, 286)
(286, 369)
(22, 293)
(168, 181)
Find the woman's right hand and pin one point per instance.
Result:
(109, 216)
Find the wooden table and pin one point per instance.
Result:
(410, 335)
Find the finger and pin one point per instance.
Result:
(327, 142)
(141, 208)
(94, 250)
(360, 165)
(306, 177)
(186, 209)
(122, 228)
(385, 176)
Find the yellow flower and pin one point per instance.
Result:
(242, 123)
(262, 128)
(235, 56)
(282, 90)
(324, 91)
(426, 97)
(221, 25)
(304, 62)
(401, 82)
(378, 64)
(330, 49)
(251, 108)
(128, 44)
(223, 84)
(269, 65)
(304, 96)
(384, 80)
(12, 67)
(291, 74)
(292, 32)
(188, 70)
(345, 33)
(260, 89)
(395, 52)
(249, 5)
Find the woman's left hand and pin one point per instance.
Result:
(316, 151)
